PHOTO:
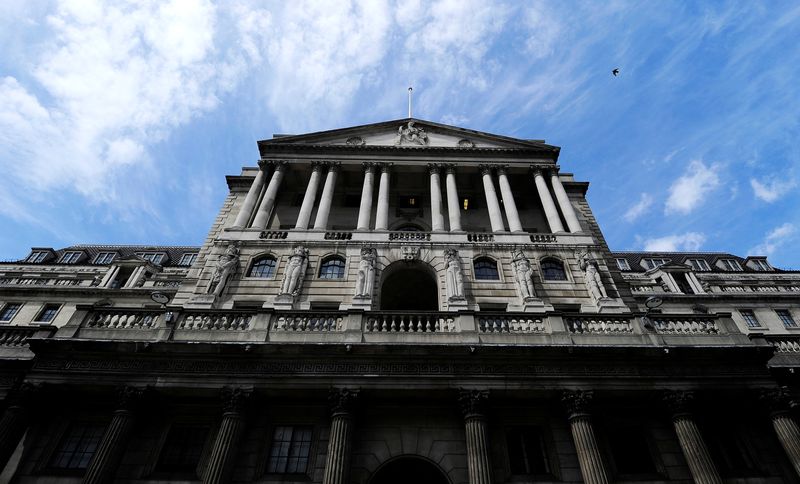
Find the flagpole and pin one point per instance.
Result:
(409, 101)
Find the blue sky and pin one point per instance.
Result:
(119, 121)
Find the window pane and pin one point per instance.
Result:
(526, 451)
(786, 318)
(77, 446)
(553, 270)
(332, 269)
(290, 449)
(749, 318)
(183, 448)
(263, 268)
(48, 313)
(623, 265)
(486, 269)
(9, 311)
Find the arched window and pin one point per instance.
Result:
(263, 267)
(486, 269)
(332, 268)
(553, 270)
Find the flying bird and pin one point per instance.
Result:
(615, 72)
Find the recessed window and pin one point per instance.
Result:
(526, 451)
(699, 264)
(750, 318)
(70, 257)
(409, 201)
(263, 267)
(761, 265)
(486, 269)
(9, 311)
(332, 268)
(630, 451)
(77, 446)
(104, 257)
(183, 448)
(188, 259)
(468, 203)
(786, 318)
(730, 264)
(290, 449)
(48, 313)
(653, 262)
(623, 264)
(153, 257)
(36, 256)
(553, 270)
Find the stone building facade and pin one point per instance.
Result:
(398, 301)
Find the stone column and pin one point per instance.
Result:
(473, 406)
(382, 217)
(309, 198)
(495, 215)
(265, 208)
(779, 401)
(326, 199)
(365, 209)
(550, 211)
(15, 420)
(337, 462)
(250, 200)
(109, 452)
(512, 214)
(223, 453)
(692, 444)
(453, 208)
(437, 218)
(591, 461)
(564, 203)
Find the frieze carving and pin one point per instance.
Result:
(342, 400)
(577, 402)
(473, 402)
(355, 141)
(778, 400)
(465, 143)
(410, 253)
(234, 399)
(679, 402)
(129, 397)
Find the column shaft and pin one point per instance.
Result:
(309, 198)
(365, 209)
(106, 458)
(479, 464)
(437, 218)
(326, 199)
(495, 215)
(453, 208)
(337, 463)
(268, 202)
(223, 454)
(12, 428)
(550, 211)
(250, 200)
(695, 450)
(382, 217)
(789, 435)
(512, 214)
(589, 457)
(565, 204)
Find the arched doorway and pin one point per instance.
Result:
(409, 470)
(409, 286)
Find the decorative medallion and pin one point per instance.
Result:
(465, 143)
(410, 253)
(355, 141)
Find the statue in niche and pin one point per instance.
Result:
(411, 134)
(591, 275)
(295, 271)
(366, 273)
(523, 274)
(225, 268)
(453, 274)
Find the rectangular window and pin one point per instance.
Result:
(526, 451)
(731, 264)
(652, 263)
(623, 264)
(409, 201)
(77, 446)
(761, 265)
(188, 259)
(750, 318)
(153, 257)
(70, 257)
(630, 451)
(36, 257)
(786, 318)
(9, 311)
(48, 313)
(183, 448)
(699, 264)
(291, 447)
(104, 258)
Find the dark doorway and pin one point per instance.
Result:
(409, 286)
(408, 470)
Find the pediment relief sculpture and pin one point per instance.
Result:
(411, 134)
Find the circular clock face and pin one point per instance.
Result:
(160, 298)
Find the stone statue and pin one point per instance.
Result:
(454, 276)
(523, 274)
(366, 273)
(295, 271)
(591, 275)
(411, 134)
(226, 266)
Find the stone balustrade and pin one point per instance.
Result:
(400, 322)
(685, 324)
(758, 288)
(338, 235)
(786, 345)
(505, 323)
(598, 324)
(16, 336)
(314, 321)
(213, 321)
(543, 238)
(409, 236)
(480, 237)
(273, 234)
(122, 319)
(41, 281)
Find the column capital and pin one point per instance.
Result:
(368, 166)
(317, 165)
(334, 165)
(434, 168)
(502, 169)
(449, 168)
(24, 393)
(276, 164)
(577, 402)
(129, 397)
(385, 167)
(679, 402)
(342, 400)
(777, 400)
(473, 402)
(539, 170)
(485, 169)
(234, 399)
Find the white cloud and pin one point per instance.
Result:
(771, 190)
(691, 188)
(640, 208)
(690, 241)
(774, 239)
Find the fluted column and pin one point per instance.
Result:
(250, 200)
(779, 402)
(106, 458)
(226, 443)
(564, 203)
(495, 215)
(691, 440)
(512, 215)
(591, 461)
(265, 208)
(365, 209)
(550, 211)
(337, 462)
(304, 217)
(15, 420)
(382, 216)
(453, 208)
(473, 406)
(437, 218)
(326, 199)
